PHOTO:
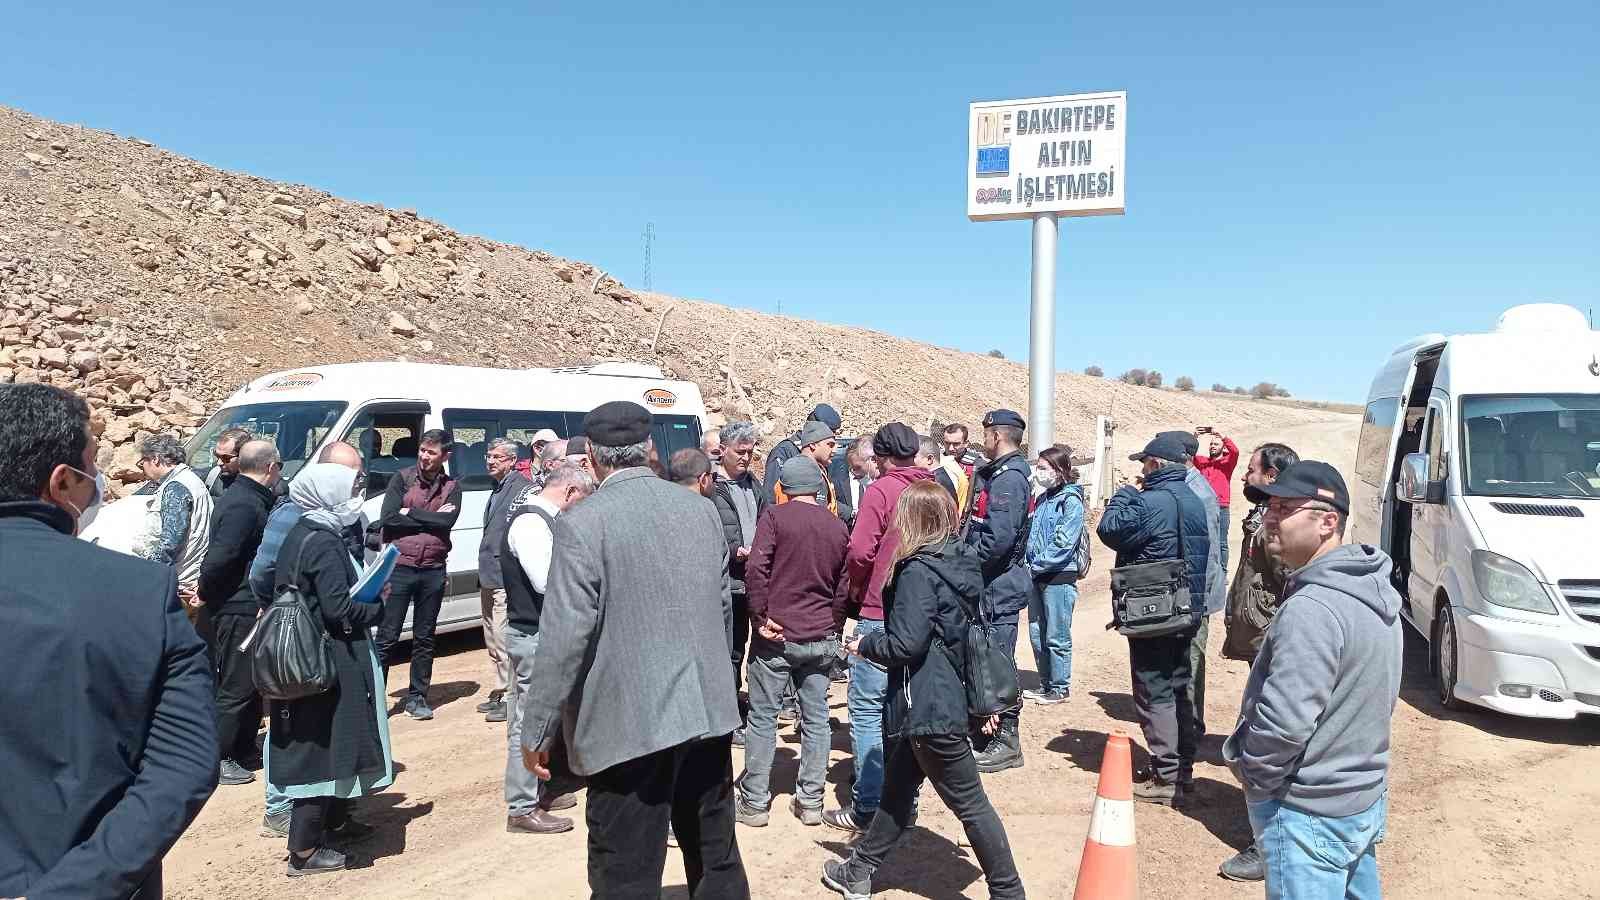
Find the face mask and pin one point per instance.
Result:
(349, 512)
(87, 514)
(1044, 477)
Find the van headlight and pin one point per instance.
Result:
(1506, 582)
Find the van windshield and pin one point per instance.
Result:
(1532, 445)
(297, 429)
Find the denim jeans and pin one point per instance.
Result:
(869, 688)
(1311, 857)
(1050, 632)
(772, 665)
(1222, 536)
(523, 788)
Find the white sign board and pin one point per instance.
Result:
(1060, 155)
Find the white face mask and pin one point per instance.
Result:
(87, 514)
(1045, 477)
(349, 512)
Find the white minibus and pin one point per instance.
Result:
(1478, 471)
(383, 407)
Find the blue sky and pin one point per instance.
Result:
(1306, 187)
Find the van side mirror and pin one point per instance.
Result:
(1414, 486)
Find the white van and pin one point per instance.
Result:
(382, 408)
(1477, 471)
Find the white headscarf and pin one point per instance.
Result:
(326, 492)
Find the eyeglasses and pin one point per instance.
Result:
(224, 457)
(1280, 512)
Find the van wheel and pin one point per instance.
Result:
(1445, 657)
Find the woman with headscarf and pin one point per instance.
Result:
(330, 748)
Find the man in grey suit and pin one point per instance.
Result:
(632, 670)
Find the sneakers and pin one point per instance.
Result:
(1051, 698)
(1031, 694)
(496, 712)
(808, 815)
(1157, 791)
(738, 736)
(845, 820)
(323, 861)
(537, 822)
(231, 772)
(418, 708)
(276, 824)
(840, 876)
(789, 712)
(495, 696)
(1246, 866)
(745, 814)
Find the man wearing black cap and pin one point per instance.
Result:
(791, 446)
(1162, 521)
(870, 560)
(628, 670)
(1312, 743)
(998, 531)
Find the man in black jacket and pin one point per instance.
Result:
(791, 446)
(1163, 521)
(230, 608)
(739, 500)
(509, 485)
(998, 532)
(107, 689)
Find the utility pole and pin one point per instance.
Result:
(649, 239)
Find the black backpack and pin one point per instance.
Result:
(986, 668)
(291, 655)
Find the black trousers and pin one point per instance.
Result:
(238, 704)
(311, 820)
(424, 590)
(739, 640)
(1161, 695)
(945, 760)
(630, 806)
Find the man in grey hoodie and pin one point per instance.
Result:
(1312, 743)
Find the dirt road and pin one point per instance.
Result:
(1481, 805)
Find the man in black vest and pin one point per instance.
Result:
(525, 551)
(509, 484)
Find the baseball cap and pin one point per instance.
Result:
(1311, 480)
(827, 415)
(1164, 446)
(544, 436)
(1190, 443)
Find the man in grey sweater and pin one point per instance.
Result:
(1312, 743)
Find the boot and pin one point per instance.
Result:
(1004, 751)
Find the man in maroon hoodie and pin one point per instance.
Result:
(871, 557)
(419, 509)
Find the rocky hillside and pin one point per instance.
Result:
(156, 285)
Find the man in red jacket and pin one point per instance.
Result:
(1217, 466)
(871, 557)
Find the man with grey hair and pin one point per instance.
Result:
(525, 546)
(739, 500)
(634, 608)
(501, 460)
(177, 529)
(230, 608)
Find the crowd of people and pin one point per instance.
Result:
(639, 628)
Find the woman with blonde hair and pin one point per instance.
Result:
(935, 580)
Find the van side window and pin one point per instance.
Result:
(1435, 444)
(1377, 426)
(386, 435)
(473, 429)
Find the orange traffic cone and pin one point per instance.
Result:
(1110, 867)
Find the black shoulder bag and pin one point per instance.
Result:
(1152, 599)
(292, 655)
(987, 671)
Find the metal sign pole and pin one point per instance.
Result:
(1042, 336)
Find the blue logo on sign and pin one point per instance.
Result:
(994, 161)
